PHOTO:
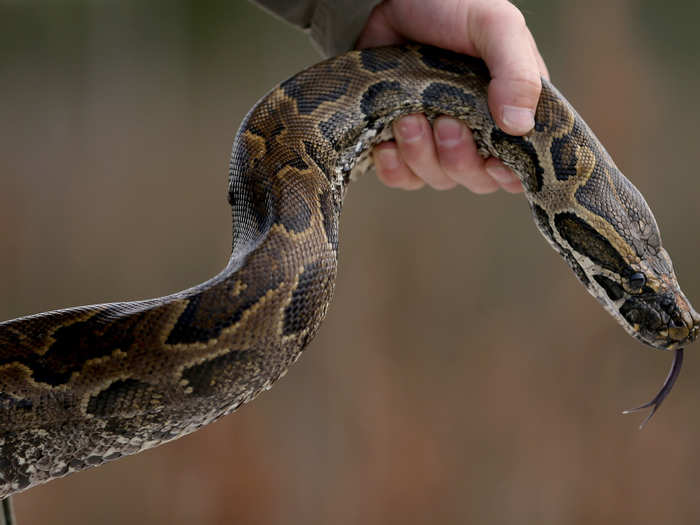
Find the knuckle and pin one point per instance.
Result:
(419, 156)
(528, 79)
(515, 15)
(411, 152)
(462, 167)
(524, 86)
(456, 166)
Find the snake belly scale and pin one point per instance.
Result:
(85, 385)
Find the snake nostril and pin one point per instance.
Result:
(668, 305)
(634, 316)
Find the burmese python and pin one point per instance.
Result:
(90, 384)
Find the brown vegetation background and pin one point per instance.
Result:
(462, 375)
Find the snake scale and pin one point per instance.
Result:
(86, 385)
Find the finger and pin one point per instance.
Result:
(459, 158)
(414, 138)
(503, 41)
(391, 170)
(503, 176)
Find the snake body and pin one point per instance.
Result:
(85, 385)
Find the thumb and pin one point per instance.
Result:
(502, 39)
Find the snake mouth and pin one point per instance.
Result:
(692, 321)
(680, 331)
(684, 328)
(667, 324)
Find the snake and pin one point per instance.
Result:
(90, 384)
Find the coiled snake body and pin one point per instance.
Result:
(86, 385)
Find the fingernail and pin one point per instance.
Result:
(519, 120)
(409, 128)
(387, 159)
(500, 173)
(448, 131)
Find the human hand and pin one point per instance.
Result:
(446, 155)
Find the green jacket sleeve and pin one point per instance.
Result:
(333, 25)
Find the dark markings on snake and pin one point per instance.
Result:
(452, 62)
(564, 158)
(614, 291)
(200, 377)
(77, 343)
(382, 98)
(332, 127)
(668, 304)
(252, 128)
(289, 158)
(316, 155)
(640, 311)
(542, 221)
(531, 167)
(375, 63)
(252, 200)
(447, 98)
(76, 464)
(204, 316)
(271, 136)
(304, 304)
(181, 333)
(298, 163)
(294, 214)
(119, 397)
(588, 242)
(117, 426)
(330, 225)
(308, 100)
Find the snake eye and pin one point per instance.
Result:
(637, 280)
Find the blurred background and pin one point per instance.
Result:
(462, 375)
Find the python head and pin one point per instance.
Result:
(647, 301)
(632, 275)
(614, 246)
(621, 261)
